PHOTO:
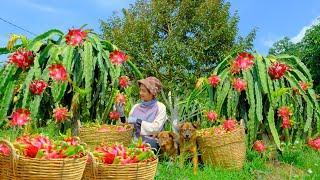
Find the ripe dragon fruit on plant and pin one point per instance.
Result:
(58, 72)
(239, 84)
(20, 117)
(259, 146)
(244, 61)
(37, 87)
(117, 57)
(277, 70)
(286, 123)
(22, 58)
(212, 115)
(75, 37)
(314, 143)
(214, 80)
(60, 114)
(304, 85)
(123, 81)
(120, 99)
(284, 111)
(229, 124)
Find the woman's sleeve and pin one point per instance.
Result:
(132, 119)
(150, 128)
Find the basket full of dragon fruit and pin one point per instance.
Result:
(224, 145)
(118, 162)
(94, 135)
(38, 157)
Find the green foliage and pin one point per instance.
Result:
(177, 41)
(259, 103)
(89, 91)
(308, 50)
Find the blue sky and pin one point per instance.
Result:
(274, 19)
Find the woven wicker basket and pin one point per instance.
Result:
(6, 171)
(140, 171)
(93, 137)
(226, 150)
(37, 169)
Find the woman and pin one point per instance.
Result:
(149, 116)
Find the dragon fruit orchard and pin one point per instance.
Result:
(76, 70)
(256, 89)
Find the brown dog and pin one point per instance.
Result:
(188, 144)
(168, 144)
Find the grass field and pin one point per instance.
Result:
(301, 163)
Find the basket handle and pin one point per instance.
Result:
(13, 154)
(93, 164)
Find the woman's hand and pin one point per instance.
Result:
(120, 109)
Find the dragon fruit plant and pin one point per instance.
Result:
(273, 95)
(62, 77)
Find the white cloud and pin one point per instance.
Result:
(300, 35)
(269, 41)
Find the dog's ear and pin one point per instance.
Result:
(196, 124)
(173, 135)
(180, 126)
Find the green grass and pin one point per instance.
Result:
(292, 164)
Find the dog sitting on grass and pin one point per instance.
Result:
(188, 144)
(168, 144)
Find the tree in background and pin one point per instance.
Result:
(308, 49)
(177, 41)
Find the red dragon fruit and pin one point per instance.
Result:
(229, 125)
(20, 117)
(4, 150)
(214, 80)
(73, 141)
(314, 143)
(239, 84)
(277, 70)
(58, 72)
(60, 114)
(117, 57)
(75, 37)
(123, 81)
(114, 115)
(53, 155)
(22, 58)
(25, 139)
(120, 98)
(259, 146)
(286, 123)
(212, 116)
(244, 61)
(42, 142)
(31, 151)
(37, 86)
(304, 85)
(284, 112)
